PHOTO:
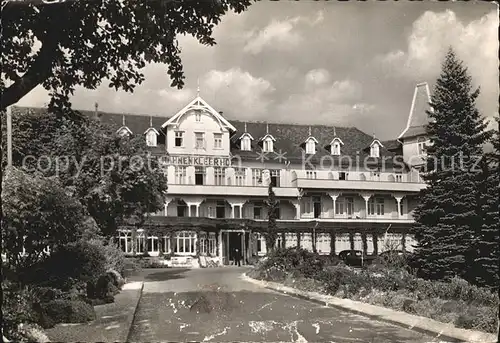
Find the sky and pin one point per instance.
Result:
(333, 63)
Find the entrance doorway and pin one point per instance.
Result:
(232, 240)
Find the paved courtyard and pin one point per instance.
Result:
(217, 305)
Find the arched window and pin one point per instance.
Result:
(375, 150)
(336, 148)
(245, 144)
(310, 147)
(151, 138)
(268, 145)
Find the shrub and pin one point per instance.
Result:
(114, 257)
(16, 309)
(64, 311)
(103, 288)
(68, 266)
(306, 263)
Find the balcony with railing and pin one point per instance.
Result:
(358, 180)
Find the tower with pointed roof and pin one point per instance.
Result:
(413, 137)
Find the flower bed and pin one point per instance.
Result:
(457, 302)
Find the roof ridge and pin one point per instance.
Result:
(228, 118)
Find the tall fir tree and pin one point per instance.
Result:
(486, 264)
(446, 218)
(271, 235)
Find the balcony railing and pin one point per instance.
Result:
(221, 190)
(359, 185)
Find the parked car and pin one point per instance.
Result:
(355, 258)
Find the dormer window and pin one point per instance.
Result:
(335, 146)
(375, 150)
(268, 145)
(151, 138)
(310, 146)
(336, 149)
(246, 144)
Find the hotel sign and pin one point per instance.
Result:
(207, 161)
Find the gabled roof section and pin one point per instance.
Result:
(376, 141)
(268, 135)
(127, 130)
(199, 104)
(336, 139)
(152, 129)
(418, 118)
(311, 137)
(246, 134)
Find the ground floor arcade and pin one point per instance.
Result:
(187, 242)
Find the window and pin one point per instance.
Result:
(349, 201)
(125, 241)
(257, 211)
(376, 207)
(375, 150)
(212, 246)
(246, 144)
(240, 176)
(336, 148)
(220, 209)
(311, 174)
(316, 207)
(211, 212)
(275, 177)
(199, 175)
(151, 138)
(180, 175)
(185, 242)
(421, 145)
(399, 177)
(199, 140)
(401, 207)
(153, 244)
(339, 207)
(342, 176)
(261, 244)
(181, 209)
(179, 139)
(310, 147)
(380, 206)
(256, 177)
(268, 145)
(203, 243)
(140, 241)
(323, 243)
(165, 244)
(220, 176)
(198, 116)
(217, 140)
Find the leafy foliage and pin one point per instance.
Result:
(38, 213)
(70, 265)
(271, 234)
(99, 40)
(113, 177)
(446, 217)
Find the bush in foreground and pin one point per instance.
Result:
(64, 311)
(457, 301)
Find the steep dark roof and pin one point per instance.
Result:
(414, 131)
(289, 137)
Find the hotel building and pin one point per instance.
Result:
(338, 187)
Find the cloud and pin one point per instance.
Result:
(476, 43)
(328, 102)
(317, 77)
(280, 34)
(237, 91)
